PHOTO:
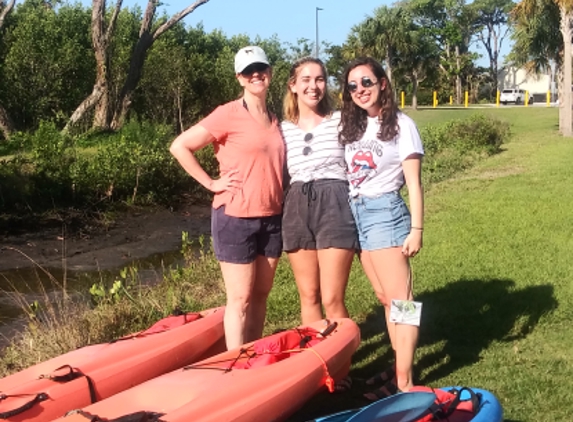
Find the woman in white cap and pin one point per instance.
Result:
(247, 206)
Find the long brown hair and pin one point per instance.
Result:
(354, 120)
(290, 102)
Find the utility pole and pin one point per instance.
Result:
(316, 46)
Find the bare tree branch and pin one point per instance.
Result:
(113, 20)
(177, 17)
(3, 13)
(145, 41)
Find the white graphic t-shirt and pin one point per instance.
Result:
(375, 166)
(316, 154)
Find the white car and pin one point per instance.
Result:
(516, 96)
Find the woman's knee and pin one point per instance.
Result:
(332, 300)
(238, 302)
(309, 296)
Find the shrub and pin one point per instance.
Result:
(455, 145)
(477, 133)
(133, 165)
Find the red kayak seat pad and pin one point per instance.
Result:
(279, 346)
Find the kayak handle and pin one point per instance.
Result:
(329, 329)
(39, 397)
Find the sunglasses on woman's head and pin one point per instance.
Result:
(366, 82)
(255, 67)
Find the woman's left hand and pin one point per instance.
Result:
(412, 244)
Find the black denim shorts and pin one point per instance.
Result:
(317, 215)
(239, 240)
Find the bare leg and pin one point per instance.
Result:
(257, 309)
(392, 270)
(239, 280)
(304, 263)
(368, 266)
(334, 265)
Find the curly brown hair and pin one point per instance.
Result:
(290, 102)
(354, 120)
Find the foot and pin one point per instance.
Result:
(387, 390)
(388, 374)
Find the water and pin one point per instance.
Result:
(22, 286)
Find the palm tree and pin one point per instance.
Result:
(536, 44)
(417, 59)
(381, 35)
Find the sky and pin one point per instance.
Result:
(288, 20)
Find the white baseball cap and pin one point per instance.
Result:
(247, 56)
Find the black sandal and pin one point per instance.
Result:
(387, 375)
(387, 390)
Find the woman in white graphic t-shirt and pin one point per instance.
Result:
(383, 152)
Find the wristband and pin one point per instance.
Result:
(417, 228)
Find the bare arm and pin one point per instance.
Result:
(412, 167)
(183, 149)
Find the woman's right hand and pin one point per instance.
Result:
(228, 182)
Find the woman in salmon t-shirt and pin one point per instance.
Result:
(247, 207)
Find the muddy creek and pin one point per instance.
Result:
(38, 264)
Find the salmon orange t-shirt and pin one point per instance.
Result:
(256, 152)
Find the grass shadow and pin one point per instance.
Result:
(464, 316)
(469, 314)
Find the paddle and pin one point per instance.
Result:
(402, 407)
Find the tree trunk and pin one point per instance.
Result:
(458, 76)
(494, 61)
(559, 83)
(84, 107)
(565, 103)
(4, 12)
(144, 43)
(414, 91)
(99, 97)
(6, 125)
(389, 65)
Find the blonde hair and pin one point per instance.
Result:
(290, 102)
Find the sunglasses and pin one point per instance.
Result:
(366, 82)
(254, 68)
(307, 150)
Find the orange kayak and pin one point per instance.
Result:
(264, 381)
(73, 380)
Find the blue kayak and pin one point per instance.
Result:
(408, 407)
(400, 407)
(490, 409)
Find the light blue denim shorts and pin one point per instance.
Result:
(382, 222)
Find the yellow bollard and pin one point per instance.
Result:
(435, 102)
(466, 100)
(526, 98)
(402, 99)
(497, 98)
(548, 98)
(451, 100)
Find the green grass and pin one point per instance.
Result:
(494, 277)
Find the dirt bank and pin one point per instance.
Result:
(133, 235)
